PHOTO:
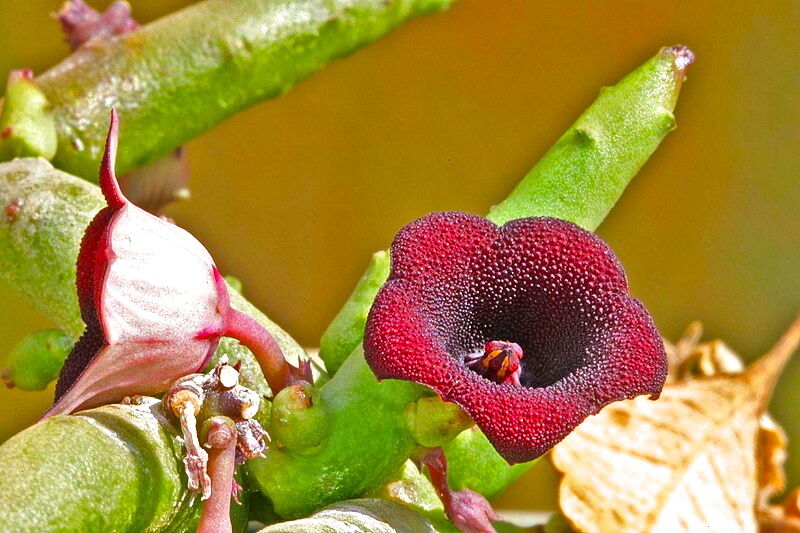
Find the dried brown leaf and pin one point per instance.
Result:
(687, 462)
(781, 518)
(681, 351)
(772, 444)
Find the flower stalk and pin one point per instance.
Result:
(264, 347)
(221, 442)
(468, 510)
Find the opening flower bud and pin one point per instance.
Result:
(299, 419)
(154, 304)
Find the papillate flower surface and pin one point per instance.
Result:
(154, 304)
(528, 327)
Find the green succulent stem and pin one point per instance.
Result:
(346, 331)
(180, 75)
(115, 468)
(585, 172)
(367, 441)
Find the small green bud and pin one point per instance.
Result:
(36, 360)
(218, 432)
(27, 126)
(434, 422)
(299, 419)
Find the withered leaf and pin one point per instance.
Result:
(686, 462)
(781, 518)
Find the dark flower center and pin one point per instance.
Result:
(499, 362)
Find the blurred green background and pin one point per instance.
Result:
(449, 112)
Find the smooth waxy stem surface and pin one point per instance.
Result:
(177, 77)
(115, 468)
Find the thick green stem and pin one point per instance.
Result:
(367, 442)
(579, 179)
(116, 468)
(180, 75)
(583, 175)
(346, 330)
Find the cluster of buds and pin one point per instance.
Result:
(223, 410)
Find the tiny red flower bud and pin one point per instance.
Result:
(81, 23)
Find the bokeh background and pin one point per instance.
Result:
(448, 112)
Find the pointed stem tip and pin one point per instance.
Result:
(683, 57)
(468, 510)
(108, 179)
(21, 74)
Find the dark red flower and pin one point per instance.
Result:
(471, 309)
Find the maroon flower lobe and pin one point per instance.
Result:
(528, 327)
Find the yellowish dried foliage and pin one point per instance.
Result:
(781, 518)
(704, 457)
